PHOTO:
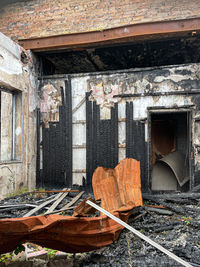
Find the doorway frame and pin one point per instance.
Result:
(159, 110)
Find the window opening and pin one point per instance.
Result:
(10, 125)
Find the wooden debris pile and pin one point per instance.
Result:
(41, 202)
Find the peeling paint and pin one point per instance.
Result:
(49, 102)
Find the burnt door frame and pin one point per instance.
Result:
(159, 110)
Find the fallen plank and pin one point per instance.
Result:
(31, 212)
(66, 207)
(54, 191)
(76, 198)
(44, 199)
(137, 217)
(142, 236)
(16, 206)
(158, 211)
(62, 210)
(177, 209)
(56, 203)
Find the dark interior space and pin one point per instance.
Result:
(8, 2)
(169, 151)
(141, 54)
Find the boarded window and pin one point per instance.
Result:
(10, 126)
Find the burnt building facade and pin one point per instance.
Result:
(147, 114)
(107, 81)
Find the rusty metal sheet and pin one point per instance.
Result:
(178, 162)
(65, 233)
(118, 189)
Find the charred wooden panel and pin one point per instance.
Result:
(38, 177)
(68, 132)
(57, 145)
(102, 139)
(135, 143)
(89, 140)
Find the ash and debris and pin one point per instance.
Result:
(178, 231)
(176, 228)
(20, 203)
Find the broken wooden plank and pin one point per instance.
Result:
(83, 209)
(62, 210)
(56, 203)
(18, 205)
(74, 200)
(142, 236)
(44, 199)
(175, 208)
(137, 217)
(54, 191)
(159, 211)
(31, 212)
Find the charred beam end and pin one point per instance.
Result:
(169, 108)
(185, 92)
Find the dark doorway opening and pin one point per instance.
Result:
(170, 150)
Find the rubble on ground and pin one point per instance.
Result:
(19, 205)
(171, 220)
(176, 228)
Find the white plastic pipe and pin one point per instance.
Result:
(145, 238)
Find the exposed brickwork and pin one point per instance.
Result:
(40, 18)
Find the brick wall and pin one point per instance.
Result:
(39, 18)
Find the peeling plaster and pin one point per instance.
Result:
(49, 102)
(167, 79)
(103, 91)
(16, 75)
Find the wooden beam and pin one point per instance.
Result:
(120, 34)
